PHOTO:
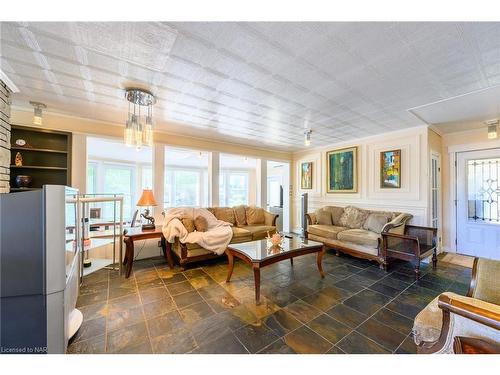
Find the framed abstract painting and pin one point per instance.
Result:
(342, 170)
(390, 169)
(306, 175)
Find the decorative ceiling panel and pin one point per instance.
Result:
(254, 83)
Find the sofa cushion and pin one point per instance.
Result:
(323, 217)
(240, 215)
(255, 215)
(225, 214)
(376, 221)
(260, 231)
(188, 224)
(353, 217)
(201, 224)
(241, 235)
(325, 231)
(360, 237)
(336, 213)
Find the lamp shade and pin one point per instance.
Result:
(147, 198)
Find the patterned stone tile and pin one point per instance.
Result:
(163, 324)
(92, 298)
(90, 328)
(329, 328)
(277, 347)
(407, 347)
(126, 337)
(255, 337)
(177, 342)
(305, 341)
(381, 334)
(354, 343)
(226, 344)
(196, 312)
(142, 347)
(179, 288)
(367, 301)
(282, 322)
(93, 345)
(172, 278)
(128, 301)
(303, 311)
(219, 304)
(153, 294)
(386, 290)
(186, 299)
(96, 310)
(335, 350)
(398, 322)
(124, 318)
(157, 308)
(346, 315)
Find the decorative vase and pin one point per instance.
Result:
(19, 160)
(23, 181)
(276, 239)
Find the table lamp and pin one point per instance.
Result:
(147, 199)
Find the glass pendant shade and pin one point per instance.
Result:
(138, 133)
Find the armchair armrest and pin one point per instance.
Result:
(270, 218)
(471, 308)
(311, 218)
(400, 243)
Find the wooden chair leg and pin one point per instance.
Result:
(434, 259)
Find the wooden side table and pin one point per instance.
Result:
(136, 234)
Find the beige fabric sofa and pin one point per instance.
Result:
(450, 315)
(249, 223)
(354, 230)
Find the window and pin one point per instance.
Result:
(113, 168)
(186, 178)
(483, 189)
(235, 180)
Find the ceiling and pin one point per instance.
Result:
(253, 83)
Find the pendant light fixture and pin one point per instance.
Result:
(37, 113)
(138, 132)
(307, 137)
(492, 128)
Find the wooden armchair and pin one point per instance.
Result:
(416, 244)
(475, 316)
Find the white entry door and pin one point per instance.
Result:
(478, 208)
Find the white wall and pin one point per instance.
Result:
(412, 197)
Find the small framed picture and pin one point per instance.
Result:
(390, 169)
(306, 170)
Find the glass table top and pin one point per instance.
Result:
(263, 249)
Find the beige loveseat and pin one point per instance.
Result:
(354, 230)
(249, 223)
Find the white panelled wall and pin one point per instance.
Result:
(412, 197)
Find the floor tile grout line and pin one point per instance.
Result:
(144, 313)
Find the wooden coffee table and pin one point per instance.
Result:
(258, 254)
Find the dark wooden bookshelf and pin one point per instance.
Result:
(46, 157)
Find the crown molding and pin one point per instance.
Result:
(10, 85)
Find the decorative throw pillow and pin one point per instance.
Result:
(336, 213)
(323, 217)
(225, 214)
(201, 224)
(240, 215)
(353, 217)
(376, 221)
(188, 224)
(255, 215)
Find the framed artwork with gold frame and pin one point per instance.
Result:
(342, 170)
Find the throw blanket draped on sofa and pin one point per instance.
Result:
(216, 238)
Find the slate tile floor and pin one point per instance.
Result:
(356, 308)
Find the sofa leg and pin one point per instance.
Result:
(434, 260)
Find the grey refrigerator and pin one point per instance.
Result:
(39, 269)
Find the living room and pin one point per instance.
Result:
(248, 185)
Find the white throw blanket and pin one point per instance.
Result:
(216, 238)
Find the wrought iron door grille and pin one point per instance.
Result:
(483, 190)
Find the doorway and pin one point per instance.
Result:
(278, 193)
(478, 209)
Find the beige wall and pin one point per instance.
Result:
(412, 197)
(452, 143)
